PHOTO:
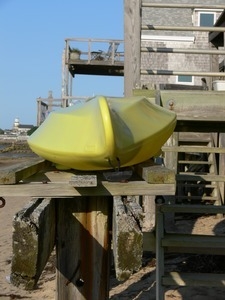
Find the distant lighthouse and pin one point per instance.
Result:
(16, 123)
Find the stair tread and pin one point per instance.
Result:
(195, 162)
(209, 198)
(192, 240)
(199, 177)
(194, 279)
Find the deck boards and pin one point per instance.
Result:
(61, 189)
(37, 178)
(15, 171)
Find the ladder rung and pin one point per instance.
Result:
(195, 137)
(192, 241)
(205, 209)
(207, 186)
(200, 177)
(203, 198)
(194, 279)
(195, 162)
(193, 149)
(196, 173)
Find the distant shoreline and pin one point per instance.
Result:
(15, 149)
(5, 138)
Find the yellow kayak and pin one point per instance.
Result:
(103, 132)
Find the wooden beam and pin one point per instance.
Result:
(183, 28)
(222, 166)
(155, 174)
(187, 73)
(183, 5)
(192, 241)
(190, 209)
(83, 180)
(194, 279)
(60, 189)
(191, 149)
(181, 50)
(33, 242)
(132, 45)
(13, 174)
(127, 240)
(83, 248)
(200, 177)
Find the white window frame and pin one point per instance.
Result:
(198, 11)
(206, 13)
(185, 82)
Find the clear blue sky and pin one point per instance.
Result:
(33, 36)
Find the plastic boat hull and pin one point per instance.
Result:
(103, 132)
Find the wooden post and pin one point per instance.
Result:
(33, 241)
(159, 253)
(222, 166)
(127, 237)
(83, 247)
(132, 48)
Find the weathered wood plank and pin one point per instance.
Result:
(127, 241)
(132, 40)
(33, 241)
(222, 166)
(60, 189)
(199, 177)
(198, 105)
(83, 248)
(148, 204)
(149, 93)
(13, 174)
(133, 207)
(194, 279)
(155, 174)
(198, 209)
(83, 180)
(191, 149)
(192, 241)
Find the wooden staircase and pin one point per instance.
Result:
(197, 169)
(178, 242)
(197, 159)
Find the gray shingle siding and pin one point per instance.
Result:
(176, 62)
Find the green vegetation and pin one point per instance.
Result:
(75, 50)
(29, 132)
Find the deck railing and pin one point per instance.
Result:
(95, 49)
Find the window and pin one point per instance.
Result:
(206, 19)
(185, 79)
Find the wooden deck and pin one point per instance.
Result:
(98, 57)
(17, 180)
(96, 67)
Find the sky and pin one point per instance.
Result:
(33, 34)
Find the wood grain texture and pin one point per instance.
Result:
(33, 241)
(127, 241)
(83, 248)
